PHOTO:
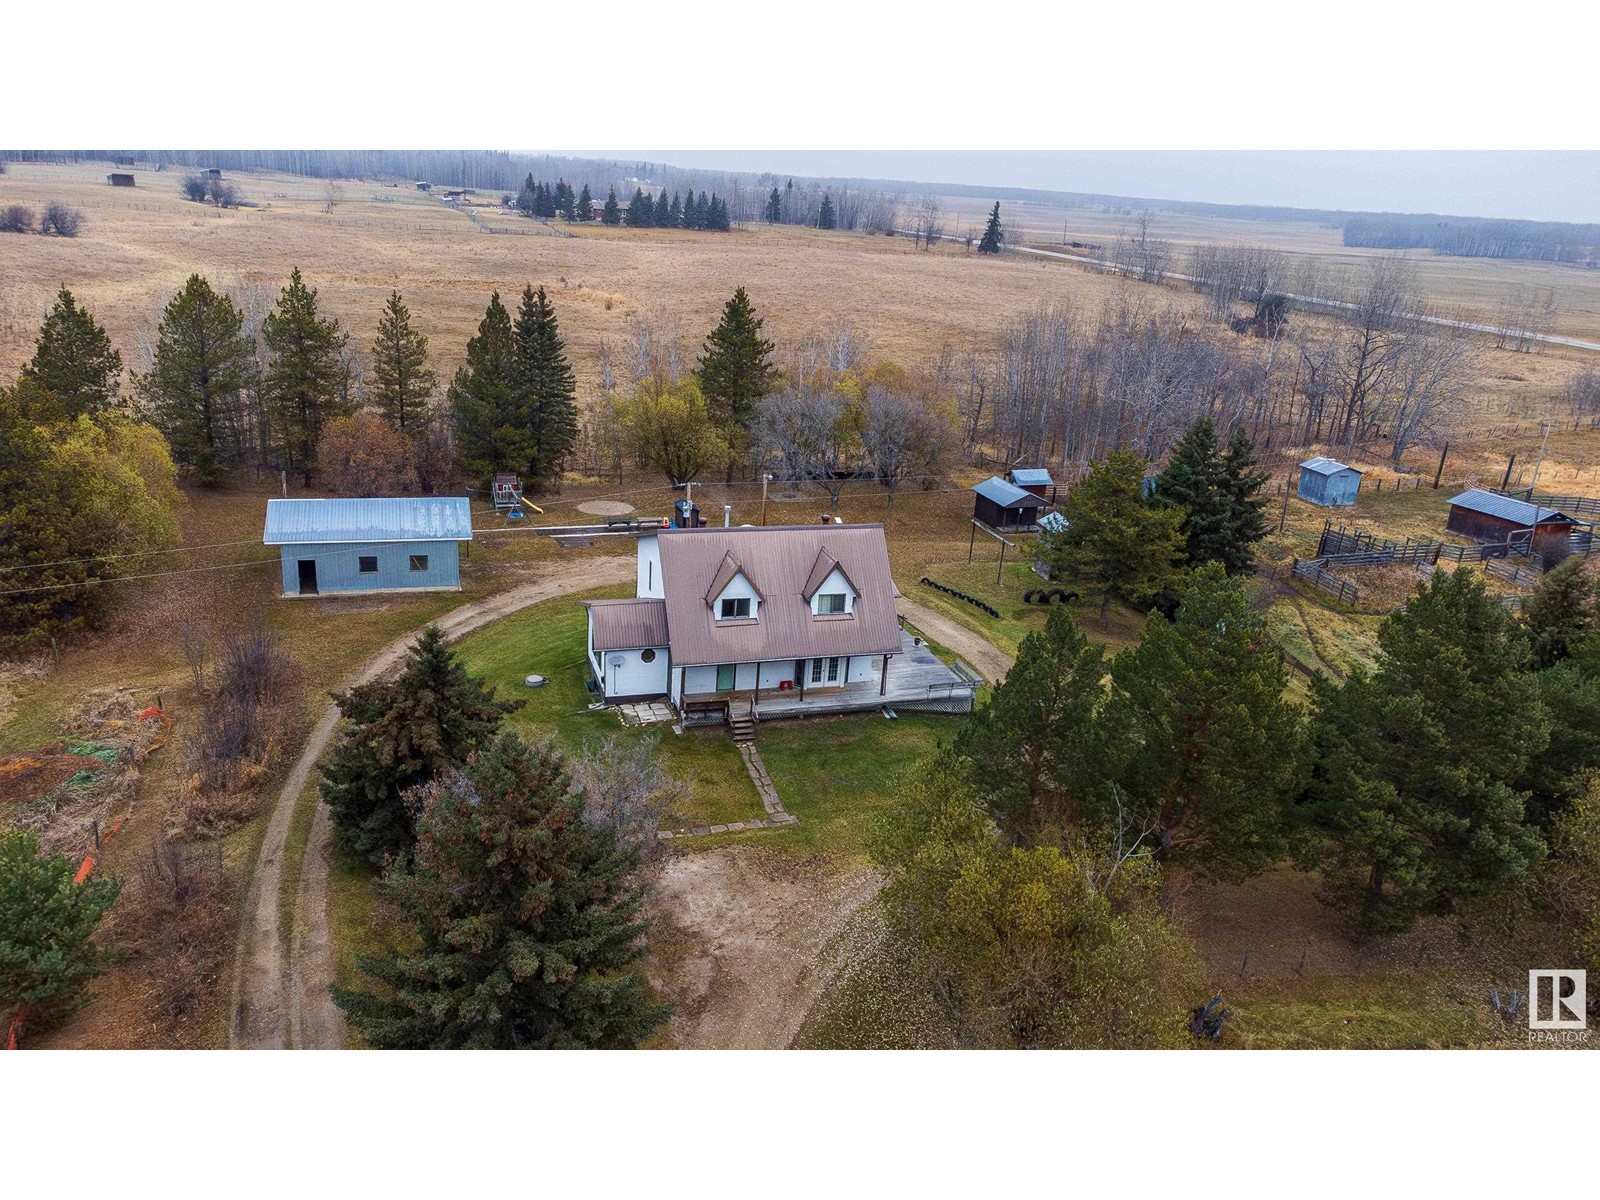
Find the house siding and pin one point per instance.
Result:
(338, 566)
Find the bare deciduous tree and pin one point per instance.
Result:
(627, 789)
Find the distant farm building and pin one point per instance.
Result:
(1003, 505)
(342, 546)
(1486, 516)
(424, 186)
(120, 179)
(1329, 483)
(213, 172)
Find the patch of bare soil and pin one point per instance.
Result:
(978, 650)
(605, 508)
(740, 939)
(1278, 922)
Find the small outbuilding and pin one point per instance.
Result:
(120, 179)
(1005, 506)
(1031, 479)
(403, 544)
(1486, 516)
(1327, 482)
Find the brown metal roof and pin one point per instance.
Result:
(628, 624)
(778, 561)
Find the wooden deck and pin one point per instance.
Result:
(917, 680)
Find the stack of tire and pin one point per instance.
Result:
(1048, 596)
(980, 605)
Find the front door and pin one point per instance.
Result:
(308, 576)
(725, 677)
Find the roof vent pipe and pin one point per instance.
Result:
(727, 515)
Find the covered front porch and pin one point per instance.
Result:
(914, 679)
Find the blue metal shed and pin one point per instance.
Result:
(1329, 483)
(401, 544)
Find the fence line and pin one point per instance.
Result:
(1311, 571)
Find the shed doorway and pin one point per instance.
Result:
(308, 576)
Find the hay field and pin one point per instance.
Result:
(139, 244)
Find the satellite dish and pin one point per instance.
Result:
(617, 660)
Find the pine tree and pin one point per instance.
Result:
(774, 210)
(401, 380)
(825, 218)
(546, 390)
(993, 237)
(1037, 755)
(304, 375)
(73, 363)
(197, 377)
(1113, 538)
(47, 927)
(1218, 757)
(490, 426)
(735, 368)
(1563, 610)
(400, 733)
(585, 204)
(611, 213)
(641, 210)
(527, 920)
(1413, 804)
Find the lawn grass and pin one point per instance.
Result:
(1402, 1010)
(549, 639)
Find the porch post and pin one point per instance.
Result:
(883, 678)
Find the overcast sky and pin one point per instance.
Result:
(1539, 185)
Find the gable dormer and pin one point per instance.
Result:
(732, 596)
(828, 590)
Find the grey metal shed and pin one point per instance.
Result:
(1328, 482)
(381, 545)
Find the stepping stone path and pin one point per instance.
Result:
(777, 817)
(649, 712)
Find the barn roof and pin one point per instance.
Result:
(1507, 508)
(1326, 466)
(1006, 495)
(1054, 522)
(779, 561)
(628, 624)
(1030, 477)
(401, 519)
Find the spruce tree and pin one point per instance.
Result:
(1563, 610)
(526, 919)
(1038, 755)
(546, 390)
(663, 210)
(585, 204)
(611, 212)
(735, 368)
(675, 212)
(305, 374)
(490, 425)
(1413, 803)
(401, 380)
(1195, 481)
(47, 926)
(567, 200)
(1113, 539)
(773, 213)
(641, 210)
(1248, 523)
(73, 363)
(1218, 745)
(197, 377)
(825, 219)
(993, 237)
(400, 733)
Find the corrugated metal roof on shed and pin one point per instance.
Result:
(1031, 476)
(628, 624)
(400, 519)
(1327, 466)
(1006, 495)
(1507, 508)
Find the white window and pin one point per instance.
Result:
(829, 603)
(825, 670)
(735, 608)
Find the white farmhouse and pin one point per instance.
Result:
(766, 622)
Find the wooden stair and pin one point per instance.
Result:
(742, 720)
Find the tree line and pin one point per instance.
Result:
(830, 207)
(1467, 237)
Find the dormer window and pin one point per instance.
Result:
(734, 608)
(830, 603)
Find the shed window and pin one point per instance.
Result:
(735, 608)
(830, 602)
(419, 562)
(367, 564)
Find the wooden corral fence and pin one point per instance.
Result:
(1312, 572)
(1517, 576)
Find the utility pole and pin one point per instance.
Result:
(1437, 475)
(1533, 483)
(766, 478)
